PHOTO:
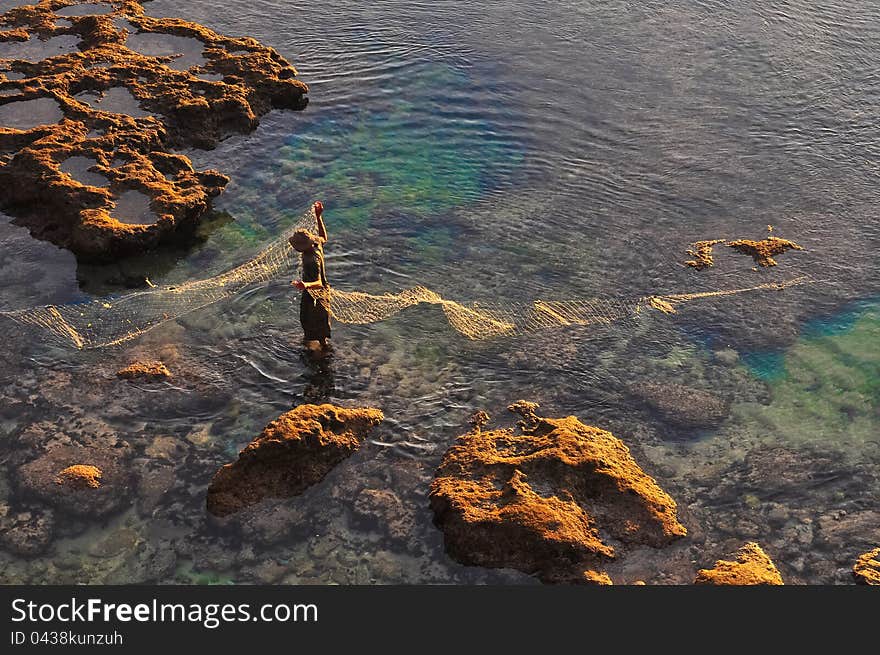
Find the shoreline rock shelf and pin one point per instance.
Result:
(134, 154)
(560, 500)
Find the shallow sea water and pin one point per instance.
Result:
(504, 153)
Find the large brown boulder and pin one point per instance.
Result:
(867, 568)
(556, 500)
(90, 481)
(293, 452)
(752, 566)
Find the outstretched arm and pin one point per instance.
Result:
(319, 215)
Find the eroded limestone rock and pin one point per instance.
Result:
(559, 500)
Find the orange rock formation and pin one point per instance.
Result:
(751, 567)
(80, 476)
(701, 251)
(764, 250)
(133, 153)
(293, 452)
(153, 370)
(558, 500)
(867, 568)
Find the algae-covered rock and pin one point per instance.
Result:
(91, 482)
(867, 568)
(150, 371)
(765, 250)
(752, 566)
(558, 500)
(293, 452)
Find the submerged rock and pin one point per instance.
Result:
(293, 452)
(59, 478)
(149, 371)
(384, 509)
(867, 568)
(751, 567)
(557, 501)
(26, 532)
(128, 113)
(682, 406)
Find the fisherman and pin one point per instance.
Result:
(314, 307)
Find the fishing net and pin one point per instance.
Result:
(106, 322)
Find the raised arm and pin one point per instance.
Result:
(319, 215)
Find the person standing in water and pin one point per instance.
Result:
(314, 310)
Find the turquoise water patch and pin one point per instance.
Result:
(417, 156)
(840, 322)
(829, 390)
(770, 365)
(766, 365)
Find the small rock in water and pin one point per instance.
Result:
(751, 567)
(682, 406)
(59, 478)
(727, 356)
(867, 568)
(122, 540)
(149, 371)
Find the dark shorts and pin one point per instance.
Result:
(315, 318)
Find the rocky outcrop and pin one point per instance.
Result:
(867, 568)
(752, 566)
(124, 149)
(151, 371)
(701, 251)
(92, 482)
(764, 250)
(293, 452)
(682, 406)
(559, 500)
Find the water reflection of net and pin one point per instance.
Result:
(106, 322)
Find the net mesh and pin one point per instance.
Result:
(107, 322)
